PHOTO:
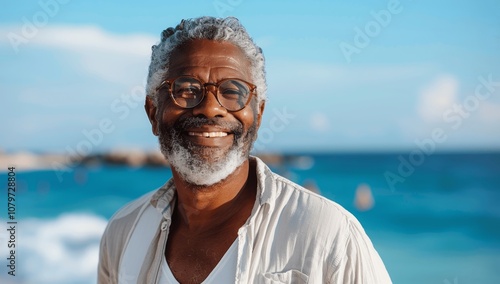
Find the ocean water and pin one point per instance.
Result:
(439, 223)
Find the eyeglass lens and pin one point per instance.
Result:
(232, 94)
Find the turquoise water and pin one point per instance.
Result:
(440, 225)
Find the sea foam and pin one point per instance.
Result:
(62, 250)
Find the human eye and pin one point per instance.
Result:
(187, 88)
(233, 90)
(190, 92)
(231, 93)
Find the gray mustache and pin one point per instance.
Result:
(191, 122)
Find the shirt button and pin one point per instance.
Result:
(164, 225)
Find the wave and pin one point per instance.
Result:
(62, 250)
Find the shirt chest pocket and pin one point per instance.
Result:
(287, 277)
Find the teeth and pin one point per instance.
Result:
(208, 134)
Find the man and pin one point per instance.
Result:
(224, 217)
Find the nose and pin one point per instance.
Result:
(210, 107)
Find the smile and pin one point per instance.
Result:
(208, 134)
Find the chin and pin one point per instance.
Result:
(207, 170)
(209, 154)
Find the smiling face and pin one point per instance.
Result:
(206, 143)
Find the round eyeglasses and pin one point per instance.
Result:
(188, 92)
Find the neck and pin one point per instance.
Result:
(203, 208)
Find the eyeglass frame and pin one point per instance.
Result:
(164, 83)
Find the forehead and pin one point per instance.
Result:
(209, 58)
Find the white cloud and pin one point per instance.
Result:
(112, 57)
(473, 119)
(84, 39)
(91, 38)
(437, 97)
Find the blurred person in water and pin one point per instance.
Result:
(224, 217)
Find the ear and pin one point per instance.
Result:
(262, 105)
(150, 108)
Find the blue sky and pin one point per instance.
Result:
(371, 76)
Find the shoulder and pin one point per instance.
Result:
(325, 214)
(122, 224)
(333, 233)
(129, 208)
(286, 197)
(116, 235)
(125, 217)
(315, 219)
(329, 230)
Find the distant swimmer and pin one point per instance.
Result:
(363, 199)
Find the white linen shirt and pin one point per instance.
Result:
(291, 236)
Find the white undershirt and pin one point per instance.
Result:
(224, 272)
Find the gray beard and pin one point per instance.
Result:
(204, 166)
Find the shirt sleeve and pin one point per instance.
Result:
(361, 264)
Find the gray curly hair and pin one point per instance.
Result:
(221, 29)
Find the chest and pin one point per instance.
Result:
(192, 259)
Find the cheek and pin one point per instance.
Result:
(169, 114)
(247, 118)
